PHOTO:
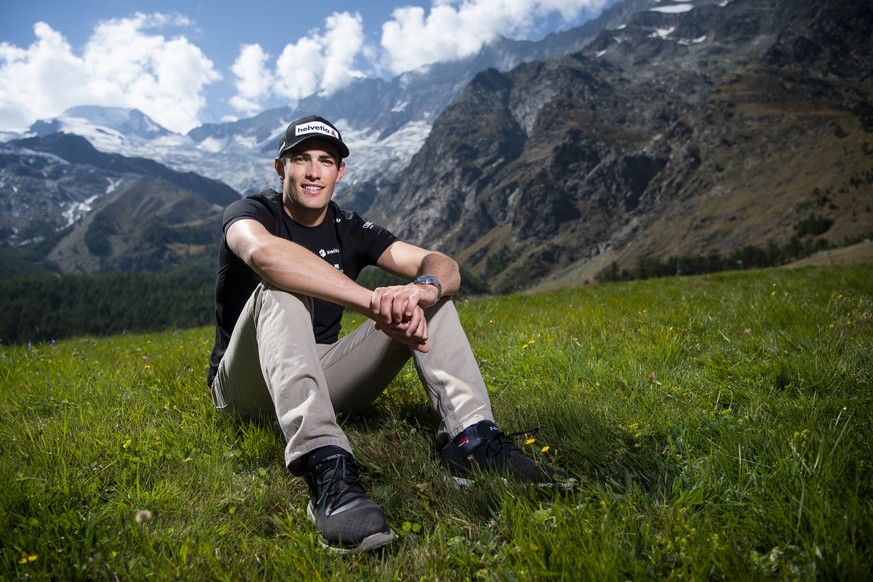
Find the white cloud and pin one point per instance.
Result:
(454, 30)
(343, 42)
(321, 62)
(253, 78)
(33, 80)
(325, 60)
(123, 64)
(298, 69)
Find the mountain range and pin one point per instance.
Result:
(704, 129)
(660, 129)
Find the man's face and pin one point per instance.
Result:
(310, 171)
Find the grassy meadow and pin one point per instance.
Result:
(720, 427)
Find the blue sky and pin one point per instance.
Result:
(185, 63)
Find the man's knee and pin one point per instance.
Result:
(442, 317)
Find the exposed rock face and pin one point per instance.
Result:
(683, 132)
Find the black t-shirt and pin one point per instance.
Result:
(343, 239)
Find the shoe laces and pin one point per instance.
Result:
(329, 481)
(499, 443)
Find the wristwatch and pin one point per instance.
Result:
(430, 280)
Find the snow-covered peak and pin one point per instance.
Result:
(129, 121)
(129, 132)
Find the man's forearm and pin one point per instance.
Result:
(291, 267)
(443, 268)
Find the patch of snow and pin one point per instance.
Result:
(103, 138)
(663, 32)
(212, 145)
(371, 156)
(77, 210)
(698, 40)
(675, 9)
(246, 141)
(112, 187)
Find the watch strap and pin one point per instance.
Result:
(430, 280)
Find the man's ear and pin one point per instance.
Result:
(280, 167)
(341, 172)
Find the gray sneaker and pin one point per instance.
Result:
(347, 520)
(484, 447)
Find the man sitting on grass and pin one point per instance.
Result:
(287, 269)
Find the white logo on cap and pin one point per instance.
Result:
(316, 127)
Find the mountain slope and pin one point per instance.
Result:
(150, 225)
(49, 183)
(78, 150)
(704, 128)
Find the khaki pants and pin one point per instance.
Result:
(273, 367)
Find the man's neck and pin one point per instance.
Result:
(305, 216)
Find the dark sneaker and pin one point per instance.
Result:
(484, 447)
(347, 520)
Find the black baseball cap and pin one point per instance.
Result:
(312, 127)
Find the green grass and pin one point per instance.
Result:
(720, 427)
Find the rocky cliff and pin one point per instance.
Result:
(695, 128)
